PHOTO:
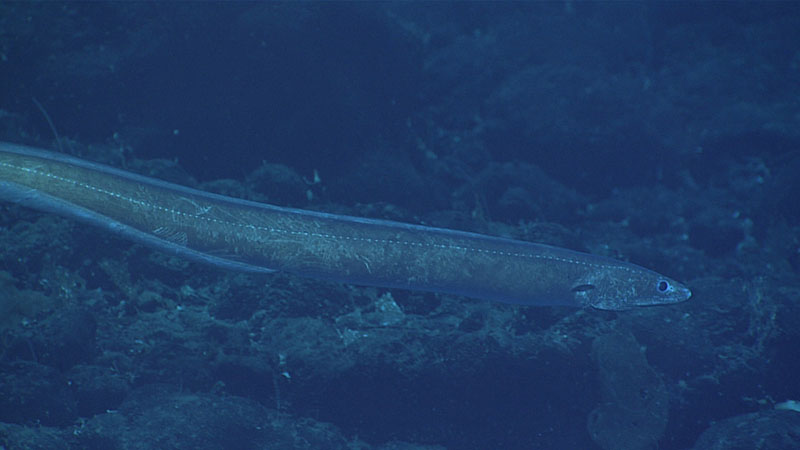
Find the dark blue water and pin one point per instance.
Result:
(665, 134)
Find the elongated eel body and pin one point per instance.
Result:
(257, 237)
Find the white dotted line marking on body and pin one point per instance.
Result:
(394, 242)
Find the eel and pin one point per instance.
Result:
(250, 236)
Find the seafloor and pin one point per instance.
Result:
(665, 134)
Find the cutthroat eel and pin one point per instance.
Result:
(245, 235)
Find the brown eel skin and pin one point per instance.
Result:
(252, 236)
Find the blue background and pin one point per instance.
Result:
(665, 134)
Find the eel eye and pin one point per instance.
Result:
(583, 288)
(663, 286)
